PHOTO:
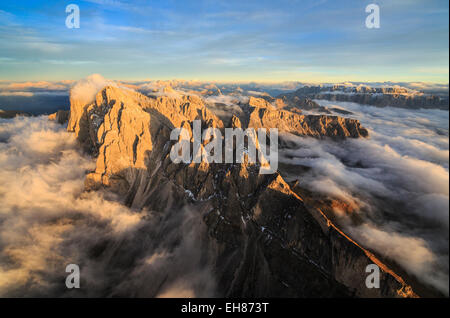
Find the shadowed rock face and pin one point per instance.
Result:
(261, 239)
(61, 116)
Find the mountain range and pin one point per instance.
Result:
(262, 238)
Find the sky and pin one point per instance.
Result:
(237, 41)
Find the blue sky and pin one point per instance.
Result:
(270, 41)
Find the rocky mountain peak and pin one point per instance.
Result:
(262, 238)
(259, 103)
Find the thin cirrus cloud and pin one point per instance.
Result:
(271, 41)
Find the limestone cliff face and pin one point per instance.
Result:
(262, 239)
(259, 103)
(123, 128)
(260, 113)
(307, 125)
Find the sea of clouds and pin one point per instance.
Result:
(398, 180)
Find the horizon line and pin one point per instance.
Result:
(228, 81)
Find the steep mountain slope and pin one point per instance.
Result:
(262, 239)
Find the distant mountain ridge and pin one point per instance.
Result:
(12, 113)
(376, 96)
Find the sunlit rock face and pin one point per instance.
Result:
(261, 238)
(307, 125)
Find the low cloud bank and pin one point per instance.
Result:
(398, 180)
